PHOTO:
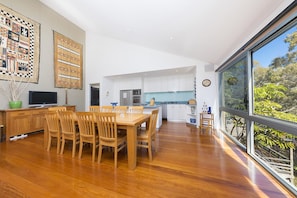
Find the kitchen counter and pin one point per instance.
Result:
(172, 102)
(151, 107)
(176, 110)
(148, 110)
(176, 113)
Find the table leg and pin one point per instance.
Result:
(1, 126)
(45, 136)
(132, 146)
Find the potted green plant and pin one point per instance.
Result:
(13, 91)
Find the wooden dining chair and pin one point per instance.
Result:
(57, 109)
(94, 108)
(69, 129)
(108, 134)
(120, 109)
(106, 108)
(54, 129)
(206, 122)
(136, 109)
(87, 132)
(146, 136)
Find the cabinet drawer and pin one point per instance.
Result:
(39, 112)
(70, 108)
(18, 113)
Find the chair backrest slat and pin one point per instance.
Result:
(52, 121)
(67, 120)
(86, 123)
(94, 108)
(153, 122)
(106, 123)
(120, 109)
(106, 108)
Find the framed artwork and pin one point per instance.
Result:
(68, 62)
(19, 46)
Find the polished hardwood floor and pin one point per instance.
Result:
(187, 164)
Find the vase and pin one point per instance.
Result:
(15, 104)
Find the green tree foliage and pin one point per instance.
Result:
(272, 138)
(235, 86)
(266, 98)
(291, 39)
(275, 95)
(282, 71)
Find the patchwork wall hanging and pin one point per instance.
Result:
(19, 46)
(68, 62)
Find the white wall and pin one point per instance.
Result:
(49, 20)
(209, 95)
(102, 57)
(110, 57)
(107, 57)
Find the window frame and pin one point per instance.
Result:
(286, 20)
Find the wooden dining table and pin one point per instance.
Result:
(129, 122)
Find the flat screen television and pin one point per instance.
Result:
(42, 98)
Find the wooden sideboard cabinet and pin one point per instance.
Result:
(22, 121)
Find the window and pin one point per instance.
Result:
(275, 77)
(235, 126)
(258, 93)
(234, 81)
(276, 149)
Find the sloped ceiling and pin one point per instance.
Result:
(207, 30)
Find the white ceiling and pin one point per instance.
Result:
(207, 30)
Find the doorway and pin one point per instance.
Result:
(95, 94)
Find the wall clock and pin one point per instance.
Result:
(206, 82)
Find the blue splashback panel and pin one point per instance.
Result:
(180, 96)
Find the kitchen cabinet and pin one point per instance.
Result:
(186, 83)
(173, 83)
(155, 84)
(148, 84)
(176, 113)
(37, 119)
(168, 83)
(191, 114)
(18, 122)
